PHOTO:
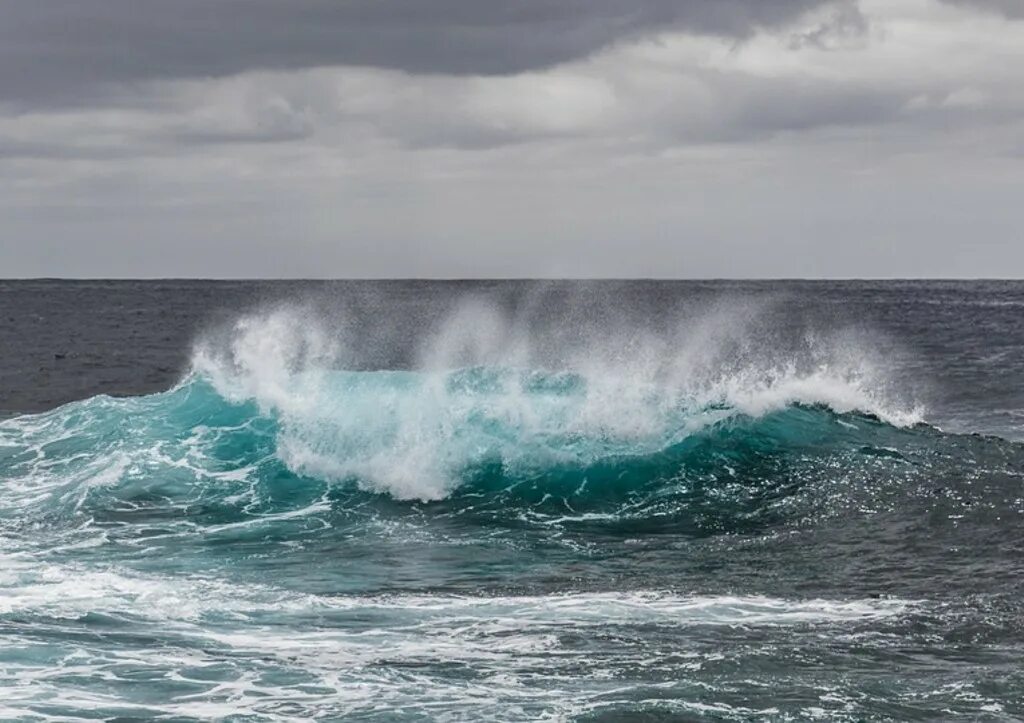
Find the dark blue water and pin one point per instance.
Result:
(512, 501)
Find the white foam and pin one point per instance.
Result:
(412, 435)
(264, 356)
(352, 655)
(71, 590)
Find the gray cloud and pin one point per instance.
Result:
(59, 51)
(550, 137)
(827, 70)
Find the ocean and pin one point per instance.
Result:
(509, 501)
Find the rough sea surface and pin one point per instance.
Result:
(512, 501)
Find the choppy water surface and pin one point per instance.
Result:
(515, 502)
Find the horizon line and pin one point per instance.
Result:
(475, 279)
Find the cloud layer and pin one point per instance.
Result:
(451, 138)
(59, 50)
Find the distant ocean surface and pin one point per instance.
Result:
(469, 501)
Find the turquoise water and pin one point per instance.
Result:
(485, 542)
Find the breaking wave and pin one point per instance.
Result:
(266, 428)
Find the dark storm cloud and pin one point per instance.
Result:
(57, 51)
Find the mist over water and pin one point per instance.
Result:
(561, 501)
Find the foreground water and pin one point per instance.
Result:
(741, 505)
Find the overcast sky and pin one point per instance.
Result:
(471, 138)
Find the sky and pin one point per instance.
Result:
(527, 138)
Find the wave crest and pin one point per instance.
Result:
(413, 433)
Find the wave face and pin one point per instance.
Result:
(503, 533)
(519, 442)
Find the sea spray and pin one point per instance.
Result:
(483, 394)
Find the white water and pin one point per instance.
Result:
(633, 391)
(221, 642)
